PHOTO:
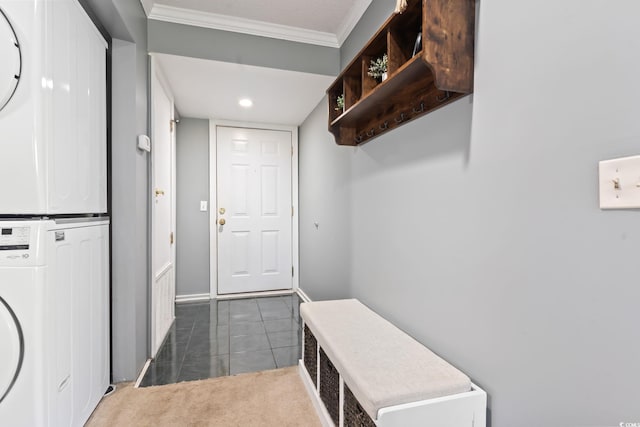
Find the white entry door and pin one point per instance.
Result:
(254, 209)
(162, 211)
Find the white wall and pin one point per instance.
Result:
(477, 228)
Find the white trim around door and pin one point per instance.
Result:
(213, 197)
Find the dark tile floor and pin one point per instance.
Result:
(228, 337)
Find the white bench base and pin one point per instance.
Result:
(324, 416)
(459, 410)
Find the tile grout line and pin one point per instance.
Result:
(186, 348)
(273, 356)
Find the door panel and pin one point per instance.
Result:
(163, 214)
(162, 182)
(254, 201)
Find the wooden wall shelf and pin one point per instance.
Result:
(437, 74)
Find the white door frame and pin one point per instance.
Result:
(213, 198)
(156, 74)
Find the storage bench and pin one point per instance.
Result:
(361, 370)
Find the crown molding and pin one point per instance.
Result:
(248, 26)
(351, 20)
(147, 5)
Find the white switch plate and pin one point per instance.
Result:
(623, 173)
(203, 205)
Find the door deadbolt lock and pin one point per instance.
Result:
(222, 221)
(222, 211)
(159, 193)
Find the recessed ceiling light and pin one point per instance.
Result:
(245, 102)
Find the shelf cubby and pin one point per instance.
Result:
(418, 80)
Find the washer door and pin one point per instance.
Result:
(11, 64)
(12, 349)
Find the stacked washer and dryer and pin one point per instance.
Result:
(54, 232)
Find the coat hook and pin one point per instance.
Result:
(370, 134)
(400, 119)
(446, 96)
(384, 126)
(419, 110)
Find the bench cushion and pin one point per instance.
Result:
(382, 365)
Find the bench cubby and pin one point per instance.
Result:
(360, 370)
(310, 355)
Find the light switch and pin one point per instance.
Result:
(203, 205)
(620, 183)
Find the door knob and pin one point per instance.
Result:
(222, 221)
(159, 192)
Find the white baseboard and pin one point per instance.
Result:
(192, 298)
(207, 297)
(255, 294)
(303, 295)
(144, 371)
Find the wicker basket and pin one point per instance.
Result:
(330, 387)
(311, 355)
(354, 415)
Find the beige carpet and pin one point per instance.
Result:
(268, 398)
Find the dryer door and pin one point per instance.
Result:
(12, 349)
(11, 64)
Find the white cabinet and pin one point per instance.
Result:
(77, 256)
(53, 129)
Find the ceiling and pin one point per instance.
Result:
(326, 22)
(211, 89)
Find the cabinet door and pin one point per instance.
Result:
(77, 125)
(62, 261)
(78, 262)
(89, 306)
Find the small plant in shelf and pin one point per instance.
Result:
(378, 68)
(340, 103)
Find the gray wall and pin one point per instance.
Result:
(129, 186)
(477, 228)
(204, 43)
(324, 198)
(192, 181)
